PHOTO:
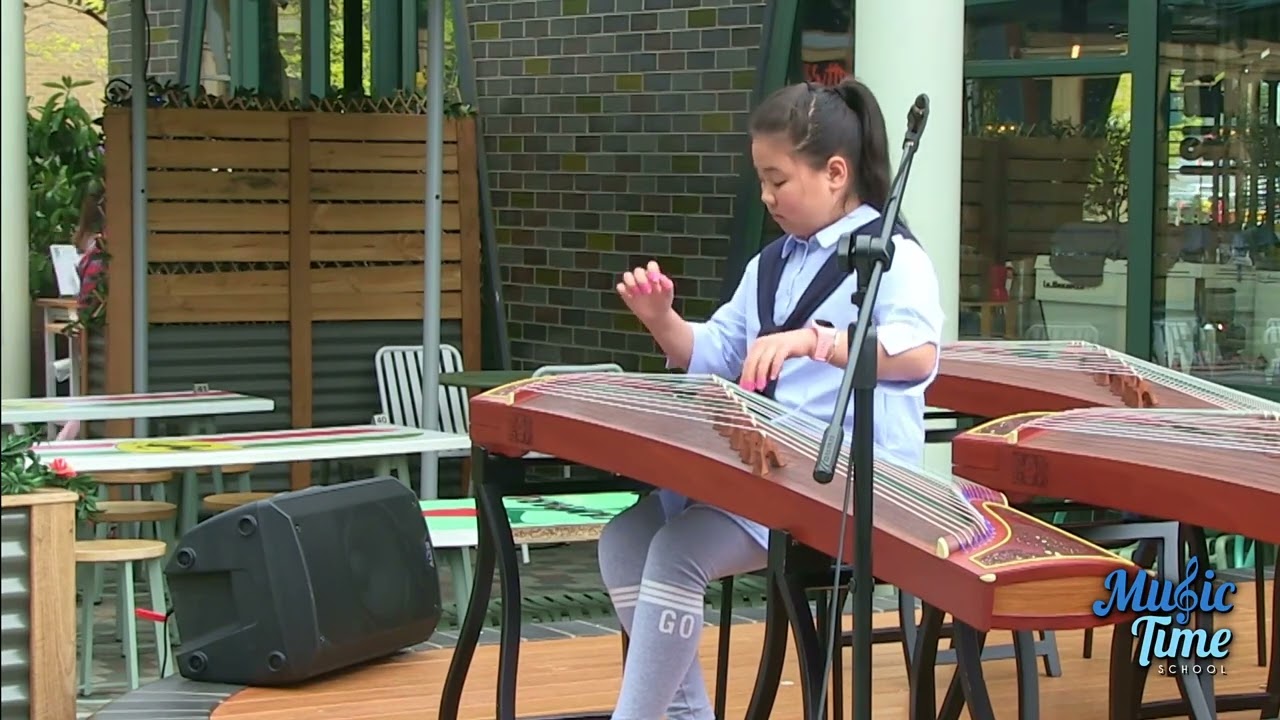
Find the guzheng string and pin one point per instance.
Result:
(715, 401)
(1239, 431)
(1080, 356)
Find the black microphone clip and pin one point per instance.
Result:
(918, 115)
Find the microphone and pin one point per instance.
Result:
(918, 115)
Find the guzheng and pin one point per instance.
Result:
(993, 379)
(1217, 469)
(954, 544)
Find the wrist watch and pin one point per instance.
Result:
(826, 344)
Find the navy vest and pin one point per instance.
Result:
(829, 278)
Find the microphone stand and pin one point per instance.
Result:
(869, 257)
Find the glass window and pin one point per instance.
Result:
(1044, 207)
(289, 51)
(1217, 255)
(1038, 29)
(826, 40)
(215, 61)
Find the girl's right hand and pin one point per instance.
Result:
(647, 292)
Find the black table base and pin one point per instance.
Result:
(1197, 700)
(495, 479)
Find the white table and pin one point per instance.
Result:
(198, 402)
(381, 441)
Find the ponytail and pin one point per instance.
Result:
(821, 122)
(871, 165)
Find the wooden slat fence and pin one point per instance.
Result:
(1017, 191)
(261, 216)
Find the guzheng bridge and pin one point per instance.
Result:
(318, 392)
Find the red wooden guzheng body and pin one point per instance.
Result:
(1218, 469)
(954, 544)
(993, 379)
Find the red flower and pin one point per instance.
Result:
(61, 468)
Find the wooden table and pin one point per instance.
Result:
(187, 452)
(483, 379)
(88, 408)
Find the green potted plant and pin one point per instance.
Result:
(64, 161)
(22, 472)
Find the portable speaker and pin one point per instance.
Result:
(287, 588)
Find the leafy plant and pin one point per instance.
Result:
(64, 162)
(22, 472)
(1108, 190)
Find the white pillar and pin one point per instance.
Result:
(15, 298)
(901, 49)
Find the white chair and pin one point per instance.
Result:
(1063, 332)
(571, 369)
(1173, 343)
(399, 372)
(1272, 338)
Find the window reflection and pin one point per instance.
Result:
(826, 40)
(1217, 254)
(1044, 207)
(1036, 29)
(823, 54)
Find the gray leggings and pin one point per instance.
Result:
(657, 571)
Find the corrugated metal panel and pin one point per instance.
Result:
(346, 388)
(254, 359)
(15, 614)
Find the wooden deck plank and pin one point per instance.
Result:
(582, 674)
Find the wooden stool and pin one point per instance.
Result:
(125, 553)
(155, 479)
(229, 501)
(240, 472)
(162, 514)
(156, 516)
(191, 503)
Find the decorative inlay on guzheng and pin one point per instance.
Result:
(954, 544)
(997, 378)
(1218, 469)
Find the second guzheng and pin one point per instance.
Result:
(954, 544)
(1213, 468)
(994, 379)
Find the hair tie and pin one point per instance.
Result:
(850, 97)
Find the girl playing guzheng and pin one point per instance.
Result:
(822, 158)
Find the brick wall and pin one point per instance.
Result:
(166, 34)
(616, 130)
(61, 41)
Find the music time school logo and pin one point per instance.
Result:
(1165, 608)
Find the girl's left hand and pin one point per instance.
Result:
(766, 355)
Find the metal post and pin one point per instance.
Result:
(470, 94)
(15, 308)
(140, 50)
(432, 251)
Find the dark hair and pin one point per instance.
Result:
(822, 121)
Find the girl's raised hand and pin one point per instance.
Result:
(647, 292)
